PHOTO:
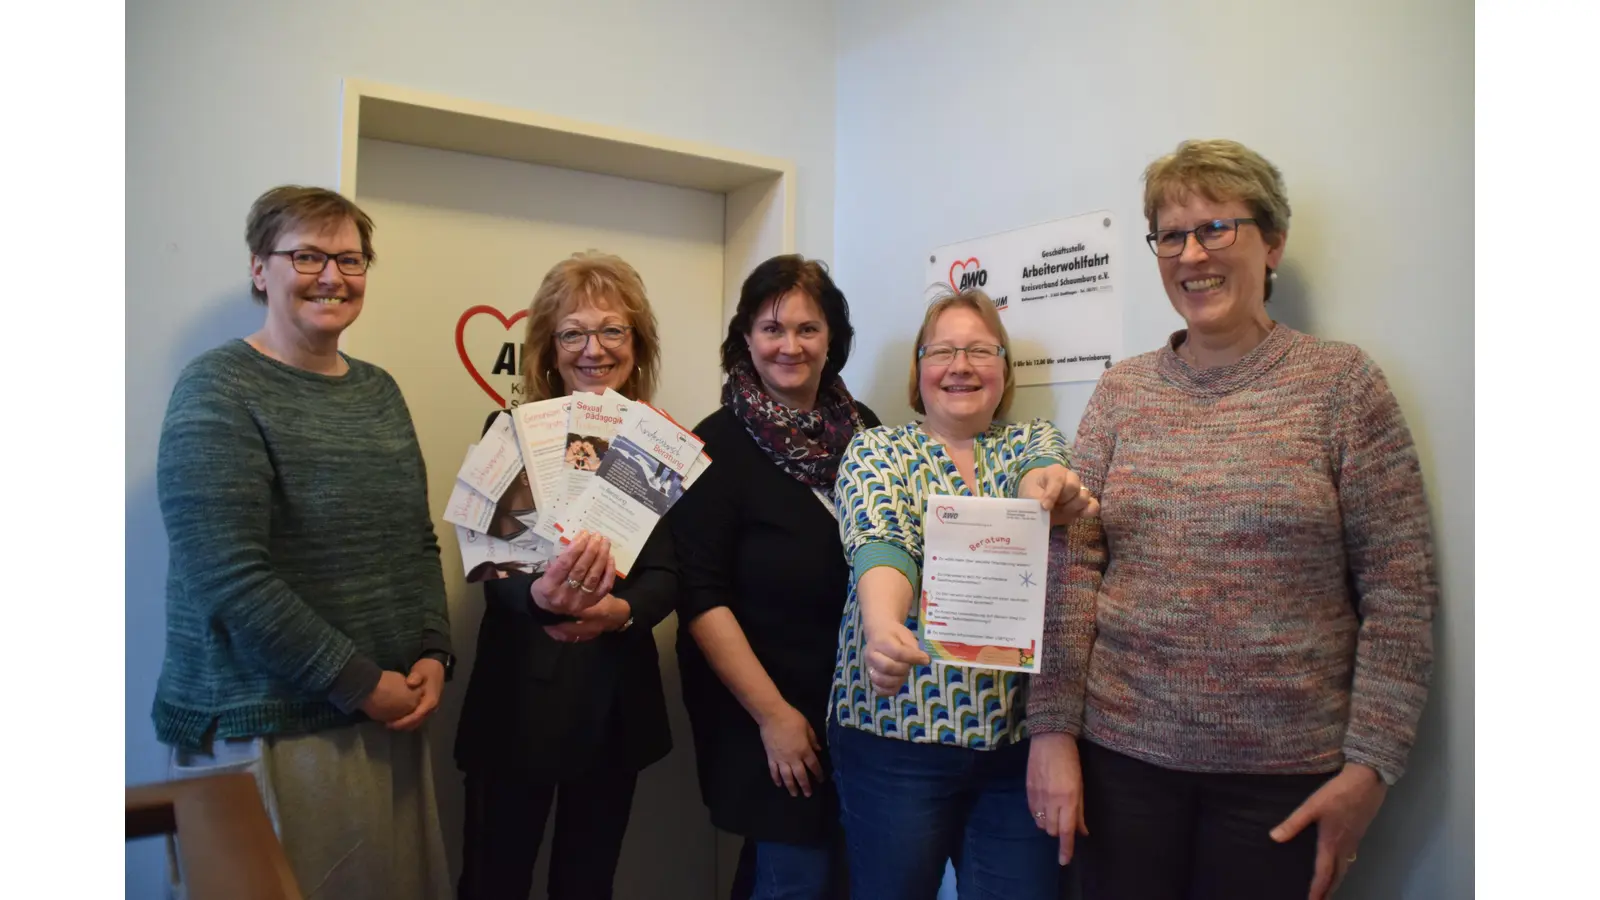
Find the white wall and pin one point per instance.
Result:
(227, 99)
(960, 119)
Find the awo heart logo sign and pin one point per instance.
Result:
(945, 513)
(491, 351)
(973, 274)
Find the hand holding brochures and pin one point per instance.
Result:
(549, 473)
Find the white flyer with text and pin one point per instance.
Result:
(983, 582)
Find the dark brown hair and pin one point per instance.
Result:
(775, 278)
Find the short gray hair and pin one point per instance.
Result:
(1220, 171)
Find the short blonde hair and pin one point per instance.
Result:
(592, 278)
(1219, 171)
(979, 302)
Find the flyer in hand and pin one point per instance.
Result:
(549, 469)
(648, 465)
(983, 582)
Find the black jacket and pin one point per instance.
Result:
(760, 543)
(541, 709)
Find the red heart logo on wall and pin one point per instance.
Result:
(960, 264)
(461, 345)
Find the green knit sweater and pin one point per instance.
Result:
(303, 560)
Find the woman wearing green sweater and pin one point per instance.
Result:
(307, 635)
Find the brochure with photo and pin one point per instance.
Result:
(482, 555)
(592, 425)
(640, 477)
(541, 430)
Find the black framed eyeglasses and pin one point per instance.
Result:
(312, 262)
(1216, 234)
(610, 337)
(980, 356)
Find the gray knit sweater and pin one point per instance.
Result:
(303, 560)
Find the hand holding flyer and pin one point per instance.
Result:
(552, 468)
(642, 474)
(983, 582)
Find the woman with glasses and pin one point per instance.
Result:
(931, 761)
(1240, 647)
(765, 579)
(564, 707)
(308, 639)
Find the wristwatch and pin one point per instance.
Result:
(448, 660)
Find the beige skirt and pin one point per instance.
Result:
(354, 808)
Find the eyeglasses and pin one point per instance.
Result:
(611, 337)
(980, 356)
(1216, 234)
(312, 262)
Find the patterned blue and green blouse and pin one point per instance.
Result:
(884, 482)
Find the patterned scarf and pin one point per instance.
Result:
(806, 444)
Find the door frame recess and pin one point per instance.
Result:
(758, 191)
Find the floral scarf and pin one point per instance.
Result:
(806, 444)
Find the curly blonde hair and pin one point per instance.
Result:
(591, 278)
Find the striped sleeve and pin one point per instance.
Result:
(1043, 444)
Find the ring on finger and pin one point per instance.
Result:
(575, 584)
(590, 588)
(1350, 859)
(1039, 816)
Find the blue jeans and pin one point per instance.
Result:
(792, 871)
(906, 808)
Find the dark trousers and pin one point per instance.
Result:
(907, 808)
(1161, 834)
(505, 820)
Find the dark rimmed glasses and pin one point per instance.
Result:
(312, 262)
(1217, 234)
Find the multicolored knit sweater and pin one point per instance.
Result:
(1258, 594)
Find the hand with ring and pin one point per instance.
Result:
(1341, 811)
(578, 578)
(1055, 790)
(1059, 490)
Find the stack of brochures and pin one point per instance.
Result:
(546, 471)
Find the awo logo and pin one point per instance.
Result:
(973, 274)
(945, 513)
